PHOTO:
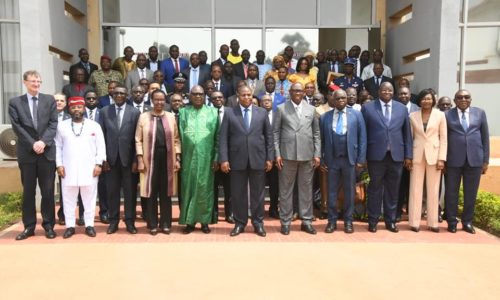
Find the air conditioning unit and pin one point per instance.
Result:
(8, 142)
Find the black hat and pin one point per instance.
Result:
(179, 77)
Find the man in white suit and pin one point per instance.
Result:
(80, 151)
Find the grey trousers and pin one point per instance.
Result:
(303, 171)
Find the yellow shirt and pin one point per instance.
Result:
(234, 59)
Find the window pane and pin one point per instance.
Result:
(10, 67)
(482, 71)
(291, 12)
(250, 39)
(9, 9)
(361, 12)
(189, 40)
(301, 40)
(238, 12)
(185, 12)
(484, 11)
(111, 11)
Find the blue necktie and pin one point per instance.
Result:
(464, 122)
(387, 114)
(340, 124)
(246, 118)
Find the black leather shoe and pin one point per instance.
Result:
(348, 228)
(330, 227)
(205, 229)
(230, 219)
(468, 228)
(80, 221)
(237, 230)
(285, 229)
(188, 229)
(69, 232)
(323, 216)
(165, 230)
(62, 222)
(308, 228)
(50, 233)
(131, 229)
(415, 229)
(153, 231)
(259, 230)
(273, 213)
(25, 234)
(392, 227)
(104, 219)
(372, 227)
(452, 228)
(434, 229)
(112, 228)
(90, 231)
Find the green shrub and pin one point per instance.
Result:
(10, 208)
(487, 211)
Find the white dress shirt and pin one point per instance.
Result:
(336, 120)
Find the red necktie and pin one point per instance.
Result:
(176, 66)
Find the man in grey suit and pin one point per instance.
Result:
(253, 81)
(118, 122)
(468, 157)
(297, 147)
(246, 150)
(138, 73)
(34, 120)
(343, 136)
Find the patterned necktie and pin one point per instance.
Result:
(340, 123)
(142, 74)
(35, 112)
(387, 114)
(91, 114)
(246, 118)
(216, 86)
(465, 126)
(119, 117)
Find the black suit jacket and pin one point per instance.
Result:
(203, 76)
(79, 64)
(372, 87)
(239, 70)
(323, 71)
(246, 148)
(226, 87)
(119, 142)
(218, 62)
(22, 124)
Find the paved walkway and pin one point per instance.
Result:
(216, 266)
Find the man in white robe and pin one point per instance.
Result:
(80, 151)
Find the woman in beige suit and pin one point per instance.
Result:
(429, 154)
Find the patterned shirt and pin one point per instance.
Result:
(100, 80)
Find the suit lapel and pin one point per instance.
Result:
(26, 108)
(239, 116)
(290, 108)
(378, 108)
(253, 121)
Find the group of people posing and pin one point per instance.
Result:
(241, 132)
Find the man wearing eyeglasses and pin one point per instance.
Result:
(467, 158)
(198, 127)
(34, 120)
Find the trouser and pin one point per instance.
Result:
(43, 172)
(303, 171)
(60, 211)
(117, 179)
(432, 177)
(341, 172)
(243, 183)
(89, 196)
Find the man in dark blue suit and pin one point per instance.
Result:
(389, 147)
(118, 122)
(276, 98)
(108, 99)
(220, 83)
(468, 157)
(172, 65)
(246, 150)
(195, 74)
(343, 136)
